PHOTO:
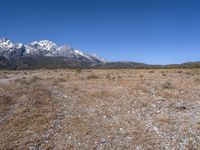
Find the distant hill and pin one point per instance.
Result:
(63, 62)
(135, 65)
(121, 65)
(42, 62)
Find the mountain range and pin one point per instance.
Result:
(43, 48)
(46, 54)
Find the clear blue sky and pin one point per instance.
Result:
(149, 31)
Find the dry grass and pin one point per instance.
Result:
(167, 85)
(100, 109)
(92, 76)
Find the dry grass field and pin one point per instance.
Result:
(100, 109)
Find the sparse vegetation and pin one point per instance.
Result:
(92, 76)
(108, 76)
(63, 109)
(78, 70)
(167, 85)
(151, 71)
(197, 80)
(6, 100)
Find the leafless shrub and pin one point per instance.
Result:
(108, 76)
(23, 81)
(189, 73)
(92, 76)
(35, 78)
(102, 93)
(151, 71)
(167, 85)
(179, 71)
(78, 70)
(141, 75)
(197, 80)
(75, 89)
(58, 80)
(119, 77)
(39, 95)
(26, 81)
(6, 100)
(163, 73)
(163, 119)
(196, 71)
(144, 103)
(4, 76)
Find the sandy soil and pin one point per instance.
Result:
(100, 109)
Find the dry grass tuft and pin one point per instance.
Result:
(167, 85)
(163, 119)
(6, 100)
(151, 71)
(108, 76)
(197, 80)
(92, 76)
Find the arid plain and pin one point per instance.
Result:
(100, 109)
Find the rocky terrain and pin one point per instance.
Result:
(100, 109)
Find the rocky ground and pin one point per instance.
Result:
(100, 109)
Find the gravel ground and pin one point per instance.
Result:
(100, 109)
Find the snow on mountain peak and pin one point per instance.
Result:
(44, 48)
(3, 39)
(99, 58)
(5, 43)
(44, 44)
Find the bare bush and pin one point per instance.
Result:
(167, 85)
(92, 76)
(151, 71)
(6, 100)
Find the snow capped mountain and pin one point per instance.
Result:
(5, 44)
(44, 45)
(43, 48)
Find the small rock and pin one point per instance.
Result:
(181, 107)
(103, 140)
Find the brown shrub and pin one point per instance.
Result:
(141, 75)
(163, 119)
(163, 73)
(197, 80)
(167, 85)
(92, 76)
(6, 100)
(151, 71)
(78, 70)
(189, 73)
(179, 71)
(58, 80)
(108, 76)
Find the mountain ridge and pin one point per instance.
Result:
(44, 48)
(46, 54)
